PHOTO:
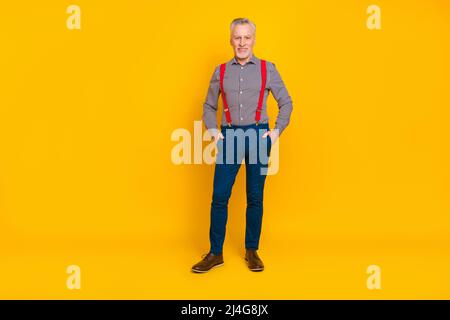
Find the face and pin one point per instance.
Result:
(242, 41)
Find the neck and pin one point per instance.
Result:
(244, 61)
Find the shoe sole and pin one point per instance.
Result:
(254, 269)
(200, 271)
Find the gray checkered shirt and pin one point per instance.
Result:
(242, 85)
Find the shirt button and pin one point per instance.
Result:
(242, 118)
(242, 68)
(241, 105)
(240, 92)
(242, 79)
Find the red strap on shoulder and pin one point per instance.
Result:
(224, 98)
(261, 93)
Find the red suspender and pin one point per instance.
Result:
(224, 98)
(261, 93)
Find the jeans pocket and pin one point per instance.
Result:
(269, 145)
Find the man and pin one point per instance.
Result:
(244, 83)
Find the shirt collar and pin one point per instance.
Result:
(253, 60)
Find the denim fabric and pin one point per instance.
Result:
(241, 142)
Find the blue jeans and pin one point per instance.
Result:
(246, 143)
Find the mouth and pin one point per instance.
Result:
(242, 49)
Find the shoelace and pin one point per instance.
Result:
(204, 256)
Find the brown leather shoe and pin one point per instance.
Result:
(208, 262)
(254, 262)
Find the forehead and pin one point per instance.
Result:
(242, 30)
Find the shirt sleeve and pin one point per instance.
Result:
(211, 101)
(282, 97)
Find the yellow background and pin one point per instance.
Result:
(86, 176)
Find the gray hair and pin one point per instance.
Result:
(242, 21)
